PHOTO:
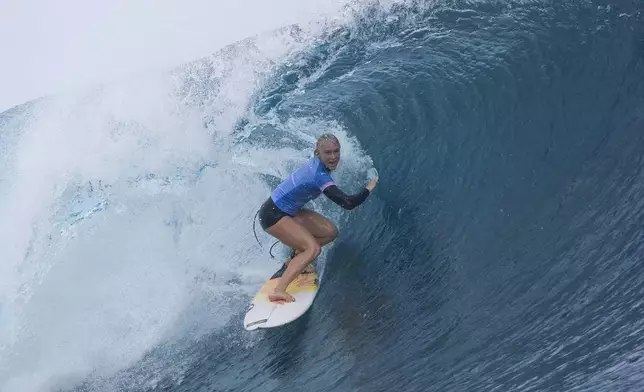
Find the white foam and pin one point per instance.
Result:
(54, 47)
(120, 210)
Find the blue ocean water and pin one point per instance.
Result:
(502, 248)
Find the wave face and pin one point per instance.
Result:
(501, 250)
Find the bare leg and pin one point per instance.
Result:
(294, 235)
(320, 227)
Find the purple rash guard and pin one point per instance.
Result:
(303, 185)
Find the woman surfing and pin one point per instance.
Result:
(303, 230)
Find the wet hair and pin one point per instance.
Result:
(327, 137)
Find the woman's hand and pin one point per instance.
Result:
(372, 183)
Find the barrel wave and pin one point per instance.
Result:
(500, 251)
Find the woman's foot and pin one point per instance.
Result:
(279, 295)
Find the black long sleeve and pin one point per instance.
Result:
(343, 200)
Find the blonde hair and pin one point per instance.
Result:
(324, 138)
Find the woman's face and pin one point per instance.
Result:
(329, 154)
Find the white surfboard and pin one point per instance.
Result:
(263, 313)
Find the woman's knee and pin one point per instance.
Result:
(333, 232)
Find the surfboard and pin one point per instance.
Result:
(263, 313)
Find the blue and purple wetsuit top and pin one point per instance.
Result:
(303, 185)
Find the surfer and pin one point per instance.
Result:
(303, 230)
